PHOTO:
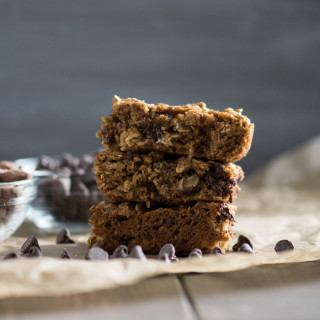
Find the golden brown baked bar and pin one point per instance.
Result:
(192, 130)
(156, 177)
(202, 225)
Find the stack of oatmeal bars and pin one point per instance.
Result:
(168, 176)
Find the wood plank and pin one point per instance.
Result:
(156, 298)
(285, 291)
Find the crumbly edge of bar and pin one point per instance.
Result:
(202, 225)
(190, 129)
(159, 177)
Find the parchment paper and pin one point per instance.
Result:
(266, 213)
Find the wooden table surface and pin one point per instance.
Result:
(264, 292)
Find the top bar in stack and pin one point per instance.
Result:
(192, 130)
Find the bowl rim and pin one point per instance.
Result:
(19, 182)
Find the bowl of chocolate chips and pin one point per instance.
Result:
(18, 190)
(66, 190)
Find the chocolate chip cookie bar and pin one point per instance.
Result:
(202, 225)
(157, 177)
(192, 130)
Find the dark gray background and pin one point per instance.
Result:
(61, 62)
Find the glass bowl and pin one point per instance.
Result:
(15, 204)
(63, 199)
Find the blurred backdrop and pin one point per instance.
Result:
(62, 61)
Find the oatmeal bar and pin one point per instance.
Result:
(191, 129)
(202, 225)
(156, 177)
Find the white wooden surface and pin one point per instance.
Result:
(264, 292)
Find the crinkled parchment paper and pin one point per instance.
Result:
(269, 212)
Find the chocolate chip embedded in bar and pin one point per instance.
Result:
(157, 177)
(199, 225)
(192, 130)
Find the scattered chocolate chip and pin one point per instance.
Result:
(283, 245)
(165, 258)
(216, 250)
(137, 253)
(47, 163)
(96, 253)
(68, 160)
(195, 253)
(66, 254)
(33, 253)
(64, 237)
(86, 161)
(241, 240)
(10, 255)
(245, 247)
(170, 250)
(120, 252)
(32, 241)
(78, 187)
(10, 175)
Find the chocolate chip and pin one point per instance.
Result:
(33, 253)
(64, 237)
(96, 253)
(245, 247)
(86, 161)
(66, 254)
(217, 172)
(9, 193)
(120, 252)
(150, 132)
(32, 241)
(78, 187)
(107, 137)
(47, 163)
(165, 258)
(283, 245)
(225, 213)
(195, 253)
(137, 253)
(9, 165)
(68, 160)
(241, 240)
(170, 250)
(7, 175)
(10, 255)
(95, 245)
(216, 250)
